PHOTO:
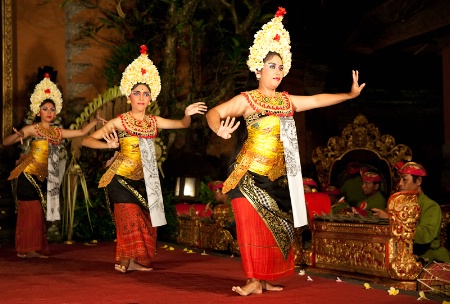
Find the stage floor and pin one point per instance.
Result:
(81, 273)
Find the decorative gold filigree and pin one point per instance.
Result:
(352, 254)
(404, 212)
(359, 135)
(374, 249)
(7, 67)
(189, 233)
(359, 248)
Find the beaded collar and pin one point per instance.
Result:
(145, 128)
(53, 135)
(279, 105)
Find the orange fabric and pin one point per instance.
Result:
(31, 231)
(136, 238)
(261, 257)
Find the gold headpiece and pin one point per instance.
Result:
(46, 89)
(141, 70)
(272, 37)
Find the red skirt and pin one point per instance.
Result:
(31, 231)
(261, 257)
(136, 238)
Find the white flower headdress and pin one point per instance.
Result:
(272, 37)
(46, 89)
(141, 70)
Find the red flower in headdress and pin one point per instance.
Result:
(47, 91)
(143, 71)
(46, 75)
(281, 12)
(277, 37)
(144, 49)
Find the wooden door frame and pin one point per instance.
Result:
(7, 67)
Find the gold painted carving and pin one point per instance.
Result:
(404, 212)
(374, 249)
(7, 67)
(359, 135)
(348, 253)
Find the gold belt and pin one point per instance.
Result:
(247, 160)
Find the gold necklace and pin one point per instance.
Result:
(279, 105)
(145, 128)
(53, 134)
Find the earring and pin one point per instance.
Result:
(128, 101)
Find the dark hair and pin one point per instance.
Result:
(47, 100)
(270, 55)
(134, 87)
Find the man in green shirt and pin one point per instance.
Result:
(351, 188)
(427, 244)
(374, 199)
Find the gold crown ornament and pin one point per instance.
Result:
(46, 89)
(272, 37)
(141, 70)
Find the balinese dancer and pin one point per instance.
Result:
(37, 175)
(265, 184)
(132, 182)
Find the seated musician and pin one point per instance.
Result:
(371, 188)
(351, 188)
(317, 203)
(309, 185)
(334, 193)
(216, 189)
(221, 198)
(427, 244)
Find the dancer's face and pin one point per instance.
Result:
(140, 97)
(272, 73)
(47, 111)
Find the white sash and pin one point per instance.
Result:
(152, 182)
(288, 134)
(53, 184)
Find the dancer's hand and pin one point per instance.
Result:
(21, 135)
(196, 108)
(110, 161)
(356, 88)
(100, 119)
(227, 127)
(111, 139)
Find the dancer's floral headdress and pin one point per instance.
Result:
(141, 70)
(272, 37)
(46, 89)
